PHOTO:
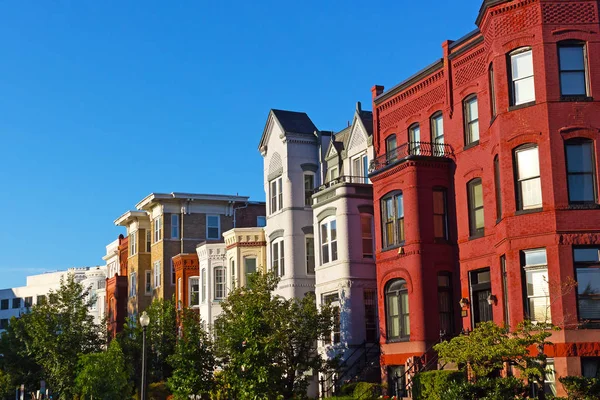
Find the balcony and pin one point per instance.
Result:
(409, 151)
(343, 186)
(342, 179)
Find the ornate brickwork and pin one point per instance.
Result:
(569, 13)
(469, 67)
(519, 17)
(413, 107)
(413, 90)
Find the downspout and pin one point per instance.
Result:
(320, 149)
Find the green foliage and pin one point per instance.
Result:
(348, 389)
(581, 388)
(193, 362)
(158, 391)
(267, 344)
(367, 391)
(103, 375)
(486, 389)
(429, 385)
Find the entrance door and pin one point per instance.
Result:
(481, 289)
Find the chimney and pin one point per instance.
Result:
(376, 90)
(358, 106)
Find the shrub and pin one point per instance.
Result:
(581, 388)
(486, 389)
(367, 391)
(430, 384)
(158, 391)
(348, 389)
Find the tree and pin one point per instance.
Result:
(58, 330)
(103, 375)
(267, 344)
(193, 362)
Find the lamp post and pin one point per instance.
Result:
(144, 321)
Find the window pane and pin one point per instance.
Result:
(389, 233)
(415, 134)
(443, 281)
(537, 283)
(588, 290)
(438, 226)
(522, 65)
(479, 224)
(390, 143)
(250, 265)
(474, 131)
(438, 202)
(535, 257)
(399, 206)
(581, 187)
(472, 110)
(477, 195)
(393, 305)
(334, 251)
(589, 255)
(579, 157)
(538, 309)
(325, 253)
(333, 225)
(571, 58)
(324, 234)
(438, 127)
(572, 83)
(528, 162)
(400, 230)
(524, 90)
(531, 191)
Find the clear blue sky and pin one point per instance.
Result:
(103, 102)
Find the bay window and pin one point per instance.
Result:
(471, 118)
(581, 174)
(476, 215)
(397, 312)
(194, 285)
(528, 182)
(521, 77)
(277, 257)
(535, 269)
(392, 219)
(587, 270)
(328, 240)
(573, 72)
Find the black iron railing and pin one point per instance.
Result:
(343, 179)
(410, 149)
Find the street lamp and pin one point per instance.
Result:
(144, 321)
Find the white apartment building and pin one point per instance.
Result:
(212, 282)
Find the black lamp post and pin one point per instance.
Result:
(144, 321)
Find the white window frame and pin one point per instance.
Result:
(191, 291)
(132, 285)
(218, 237)
(471, 120)
(148, 283)
(174, 226)
(307, 199)
(335, 336)
(326, 240)
(530, 182)
(360, 168)
(521, 97)
(221, 284)
(203, 294)
(246, 266)
(157, 274)
(278, 263)
(157, 223)
(179, 293)
(133, 243)
(537, 268)
(370, 237)
(276, 195)
(333, 173)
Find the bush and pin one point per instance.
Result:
(430, 384)
(486, 389)
(581, 388)
(367, 391)
(348, 389)
(158, 391)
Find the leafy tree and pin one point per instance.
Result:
(193, 362)
(266, 343)
(103, 375)
(57, 331)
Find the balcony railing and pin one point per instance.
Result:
(343, 179)
(408, 150)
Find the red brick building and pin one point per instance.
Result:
(486, 185)
(116, 292)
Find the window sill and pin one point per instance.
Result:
(524, 105)
(576, 98)
(477, 235)
(471, 145)
(441, 240)
(393, 247)
(498, 220)
(587, 324)
(399, 340)
(529, 211)
(584, 206)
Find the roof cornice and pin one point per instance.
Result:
(129, 216)
(484, 7)
(154, 198)
(410, 81)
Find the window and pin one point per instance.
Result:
(148, 240)
(471, 112)
(590, 367)
(309, 188)
(329, 240)
(445, 304)
(521, 77)
(391, 148)
(133, 243)
(581, 175)
(492, 90)
(101, 284)
(414, 139)
(132, 285)
(587, 269)
(4, 323)
(276, 195)
(179, 293)
(213, 227)
(550, 381)
(261, 221)
(397, 315)
(232, 273)
(392, 217)
(4, 304)
(437, 134)
(172, 272)
(333, 300)
(249, 266)
(333, 174)
(203, 285)
(219, 283)
(535, 268)
(40, 299)
(366, 228)
(440, 214)
(529, 184)
(148, 283)
(174, 226)
(481, 290)
(157, 273)
(194, 292)
(360, 169)
(475, 194)
(505, 289)
(157, 229)
(572, 65)
(370, 315)
(28, 301)
(310, 254)
(277, 258)
(497, 187)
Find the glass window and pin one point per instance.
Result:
(219, 283)
(174, 226)
(471, 111)
(590, 367)
(581, 175)
(360, 169)
(276, 194)
(172, 272)
(309, 188)
(132, 285)
(492, 90)
(481, 289)
(310, 254)
(249, 266)
(179, 293)
(232, 264)
(148, 240)
(4, 323)
(529, 184)
(414, 139)
(261, 221)
(497, 187)
(16, 303)
(157, 229)
(213, 227)
(537, 304)
(203, 277)
(440, 214)
(505, 289)
(194, 292)
(133, 243)
(445, 304)
(333, 174)
(28, 301)
(371, 327)
(521, 75)
(392, 217)
(550, 380)
(397, 313)
(572, 63)
(587, 269)
(40, 299)
(329, 241)
(157, 274)
(437, 134)
(391, 147)
(476, 216)
(148, 286)
(366, 227)
(277, 258)
(4, 304)
(333, 299)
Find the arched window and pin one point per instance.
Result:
(414, 139)
(471, 118)
(476, 216)
(521, 76)
(391, 147)
(581, 174)
(396, 304)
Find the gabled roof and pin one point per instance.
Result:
(290, 122)
(366, 117)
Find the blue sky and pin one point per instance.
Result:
(103, 102)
